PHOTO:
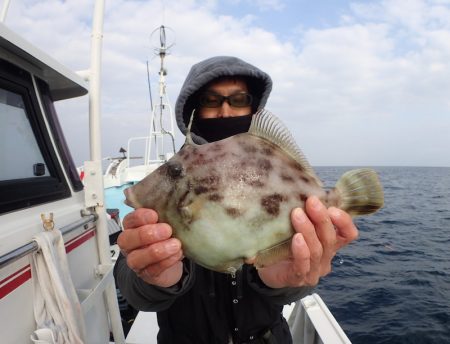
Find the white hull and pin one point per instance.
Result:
(39, 191)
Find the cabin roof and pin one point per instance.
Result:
(63, 82)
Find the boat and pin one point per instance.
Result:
(55, 265)
(56, 280)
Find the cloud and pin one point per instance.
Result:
(268, 5)
(260, 5)
(371, 89)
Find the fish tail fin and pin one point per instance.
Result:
(361, 192)
(273, 254)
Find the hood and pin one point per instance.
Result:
(259, 83)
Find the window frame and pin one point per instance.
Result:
(26, 192)
(58, 135)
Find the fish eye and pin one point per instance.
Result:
(174, 169)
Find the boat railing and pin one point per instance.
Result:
(311, 322)
(155, 142)
(32, 246)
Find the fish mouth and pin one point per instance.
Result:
(129, 198)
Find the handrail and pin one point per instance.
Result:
(32, 246)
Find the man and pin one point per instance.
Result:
(196, 305)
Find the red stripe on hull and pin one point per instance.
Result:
(14, 274)
(16, 282)
(24, 274)
(79, 240)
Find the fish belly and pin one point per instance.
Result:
(222, 242)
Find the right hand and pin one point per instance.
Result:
(150, 250)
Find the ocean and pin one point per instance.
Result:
(392, 285)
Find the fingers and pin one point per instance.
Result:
(138, 259)
(150, 250)
(295, 272)
(320, 238)
(155, 270)
(308, 236)
(169, 277)
(301, 259)
(325, 231)
(159, 264)
(320, 232)
(346, 230)
(143, 236)
(324, 228)
(140, 217)
(141, 229)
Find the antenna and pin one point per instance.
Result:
(162, 38)
(162, 50)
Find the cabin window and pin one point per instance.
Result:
(58, 135)
(19, 146)
(30, 173)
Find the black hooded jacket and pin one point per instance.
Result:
(208, 307)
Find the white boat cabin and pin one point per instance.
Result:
(40, 191)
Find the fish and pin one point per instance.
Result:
(229, 201)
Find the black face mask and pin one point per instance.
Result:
(215, 129)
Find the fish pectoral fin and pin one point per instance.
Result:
(186, 214)
(189, 212)
(273, 254)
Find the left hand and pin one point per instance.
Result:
(320, 233)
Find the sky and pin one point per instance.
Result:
(359, 83)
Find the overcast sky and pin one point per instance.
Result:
(358, 82)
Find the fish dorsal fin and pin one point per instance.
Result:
(267, 126)
(189, 140)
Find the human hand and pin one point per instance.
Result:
(320, 233)
(149, 249)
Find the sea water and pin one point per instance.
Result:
(392, 285)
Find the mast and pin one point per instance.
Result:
(94, 196)
(162, 119)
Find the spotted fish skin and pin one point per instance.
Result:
(231, 199)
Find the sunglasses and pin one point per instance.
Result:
(214, 100)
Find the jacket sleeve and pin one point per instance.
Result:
(146, 297)
(281, 296)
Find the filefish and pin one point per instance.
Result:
(229, 201)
